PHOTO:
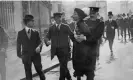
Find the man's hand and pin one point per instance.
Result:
(38, 50)
(80, 38)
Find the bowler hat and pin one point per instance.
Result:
(110, 13)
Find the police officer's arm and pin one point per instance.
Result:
(19, 42)
(48, 36)
(96, 33)
(71, 34)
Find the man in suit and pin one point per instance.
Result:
(29, 48)
(59, 35)
(110, 25)
(3, 55)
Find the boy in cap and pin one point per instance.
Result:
(59, 35)
(29, 47)
(111, 25)
(97, 29)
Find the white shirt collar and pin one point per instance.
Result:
(58, 24)
(110, 19)
(27, 28)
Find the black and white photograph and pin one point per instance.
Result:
(66, 39)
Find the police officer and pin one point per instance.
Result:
(97, 27)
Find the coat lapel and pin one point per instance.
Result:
(25, 34)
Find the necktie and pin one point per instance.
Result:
(29, 31)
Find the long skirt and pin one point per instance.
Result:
(84, 59)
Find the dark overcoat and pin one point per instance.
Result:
(84, 53)
(59, 38)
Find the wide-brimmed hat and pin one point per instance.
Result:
(80, 13)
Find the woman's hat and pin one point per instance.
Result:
(81, 13)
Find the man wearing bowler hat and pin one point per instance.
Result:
(59, 34)
(97, 29)
(29, 47)
(111, 25)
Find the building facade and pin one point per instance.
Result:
(12, 13)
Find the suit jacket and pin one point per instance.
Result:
(111, 26)
(26, 46)
(59, 38)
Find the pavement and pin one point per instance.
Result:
(119, 69)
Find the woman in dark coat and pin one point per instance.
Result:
(80, 49)
(85, 46)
